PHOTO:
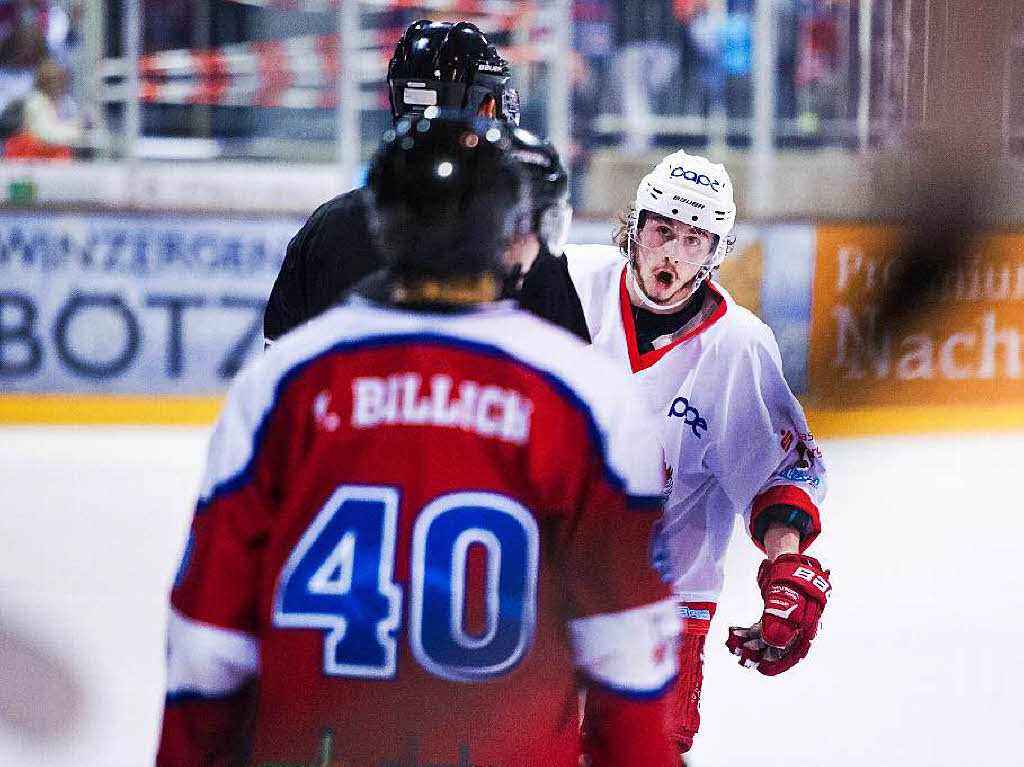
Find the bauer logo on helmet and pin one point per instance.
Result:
(685, 201)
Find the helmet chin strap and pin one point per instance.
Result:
(640, 298)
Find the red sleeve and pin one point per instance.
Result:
(624, 625)
(213, 654)
(625, 733)
(205, 732)
(608, 552)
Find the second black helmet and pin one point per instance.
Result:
(549, 188)
(450, 66)
(447, 197)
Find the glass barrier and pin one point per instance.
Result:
(303, 80)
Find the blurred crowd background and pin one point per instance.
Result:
(259, 79)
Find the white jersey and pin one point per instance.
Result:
(735, 439)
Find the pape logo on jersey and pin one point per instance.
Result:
(681, 408)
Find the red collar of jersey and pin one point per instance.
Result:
(638, 361)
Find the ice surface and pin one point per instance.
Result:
(916, 664)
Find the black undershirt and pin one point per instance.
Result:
(650, 326)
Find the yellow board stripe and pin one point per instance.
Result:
(121, 409)
(127, 409)
(924, 419)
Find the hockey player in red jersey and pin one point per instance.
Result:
(424, 521)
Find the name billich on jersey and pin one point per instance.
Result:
(490, 411)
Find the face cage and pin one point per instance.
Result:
(510, 105)
(718, 250)
(553, 226)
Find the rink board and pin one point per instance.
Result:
(145, 318)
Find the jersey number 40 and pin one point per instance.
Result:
(339, 578)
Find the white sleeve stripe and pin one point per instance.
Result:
(208, 661)
(630, 652)
(626, 692)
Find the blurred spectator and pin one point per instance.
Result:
(21, 50)
(644, 67)
(817, 62)
(705, 34)
(47, 132)
(724, 54)
(591, 29)
(641, 21)
(737, 58)
(639, 72)
(583, 116)
(65, 39)
(22, 13)
(592, 49)
(64, 32)
(786, 44)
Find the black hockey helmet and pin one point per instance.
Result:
(450, 66)
(549, 188)
(447, 196)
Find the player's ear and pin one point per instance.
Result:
(488, 108)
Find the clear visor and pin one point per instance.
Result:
(554, 226)
(662, 237)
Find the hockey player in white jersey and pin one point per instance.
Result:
(735, 438)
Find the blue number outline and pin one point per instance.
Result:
(336, 624)
(424, 520)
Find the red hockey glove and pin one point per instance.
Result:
(795, 590)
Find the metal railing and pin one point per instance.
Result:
(341, 68)
(848, 74)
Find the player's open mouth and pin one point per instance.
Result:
(664, 278)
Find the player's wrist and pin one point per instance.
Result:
(782, 514)
(781, 538)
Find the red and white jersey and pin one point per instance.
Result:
(414, 531)
(735, 438)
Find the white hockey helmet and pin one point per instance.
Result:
(690, 188)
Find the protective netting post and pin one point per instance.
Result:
(131, 44)
(348, 111)
(764, 105)
(864, 95)
(559, 85)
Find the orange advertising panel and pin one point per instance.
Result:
(963, 347)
